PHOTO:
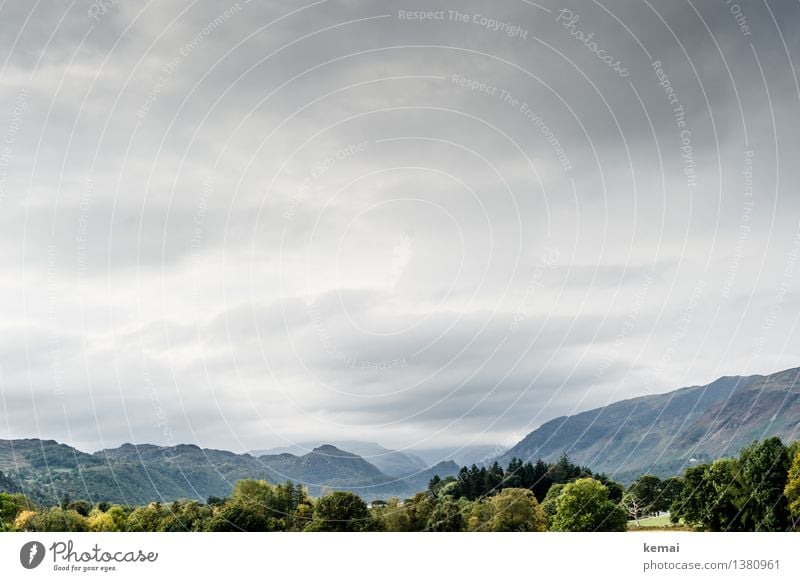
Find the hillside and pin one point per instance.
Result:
(137, 474)
(663, 433)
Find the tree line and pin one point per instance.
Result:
(757, 491)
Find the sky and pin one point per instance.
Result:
(424, 224)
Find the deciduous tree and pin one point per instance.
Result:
(584, 505)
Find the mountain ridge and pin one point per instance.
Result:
(49, 471)
(663, 433)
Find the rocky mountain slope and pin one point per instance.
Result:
(663, 433)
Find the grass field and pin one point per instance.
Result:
(655, 523)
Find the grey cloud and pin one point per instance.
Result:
(185, 236)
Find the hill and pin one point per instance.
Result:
(663, 433)
(132, 474)
(328, 467)
(390, 462)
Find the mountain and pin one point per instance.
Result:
(390, 462)
(462, 455)
(137, 474)
(326, 465)
(35, 454)
(48, 471)
(664, 433)
(419, 481)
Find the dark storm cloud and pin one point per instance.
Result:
(236, 224)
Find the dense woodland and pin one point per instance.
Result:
(757, 491)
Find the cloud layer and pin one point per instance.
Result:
(241, 226)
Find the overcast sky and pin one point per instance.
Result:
(244, 225)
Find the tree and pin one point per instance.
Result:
(446, 516)
(516, 509)
(420, 508)
(339, 511)
(792, 490)
(235, 516)
(537, 478)
(646, 491)
(564, 471)
(549, 503)
(82, 507)
(690, 504)
(145, 519)
(101, 522)
(711, 497)
(722, 511)
(765, 467)
(615, 490)
(479, 517)
(671, 489)
(514, 474)
(633, 505)
(10, 506)
(24, 520)
(57, 520)
(395, 517)
(493, 479)
(584, 505)
(186, 516)
(255, 505)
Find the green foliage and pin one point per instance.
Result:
(446, 517)
(82, 507)
(394, 516)
(744, 494)
(257, 505)
(671, 490)
(584, 506)
(146, 519)
(647, 488)
(479, 518)
(7, 484)
(549, 503)
(765, 467)
(186, 516)
(102, 522)
(792, 490)
(644, 497)
(339, 512)
(516, 509)
(10, 507)
(56, 520)
(474, 483)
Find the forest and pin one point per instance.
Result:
(757, 491)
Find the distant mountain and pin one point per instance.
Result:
(326, 465)
(462, 455)
(389, 462)
(137, 474)
(419, 481)
(664, 433)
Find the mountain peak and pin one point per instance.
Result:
(331, 450)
